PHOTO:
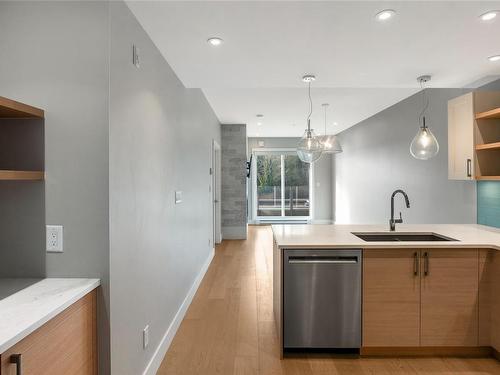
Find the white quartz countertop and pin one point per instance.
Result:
(28, 309)
(340, 236)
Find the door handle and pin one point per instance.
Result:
(416, 266)
(322, 260)
(426, 263)
(16, 359)
(469, 168)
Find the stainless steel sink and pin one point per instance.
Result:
(402, 236)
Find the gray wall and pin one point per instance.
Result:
(376, 161)
(233, 181)
(322, 177)
(160, 141)
(58, 60)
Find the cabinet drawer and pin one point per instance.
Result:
(64, 345)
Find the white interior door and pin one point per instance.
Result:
(216, 192)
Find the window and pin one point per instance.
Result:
(281, 186)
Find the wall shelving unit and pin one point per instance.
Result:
(13, 110)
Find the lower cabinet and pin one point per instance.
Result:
(420, 298)
(62, 346)
(449, 304)
(489, 301)
(391, 298)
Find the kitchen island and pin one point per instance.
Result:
(417, 297)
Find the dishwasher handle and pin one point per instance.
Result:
(320, 259)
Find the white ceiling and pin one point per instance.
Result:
(362, 66)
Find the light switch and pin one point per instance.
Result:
(178, 196)
(135, 56)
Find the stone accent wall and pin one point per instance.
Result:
(234, 181)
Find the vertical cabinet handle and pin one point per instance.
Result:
(416, 266)
(469, 168)
(426, 263)
(16, 359)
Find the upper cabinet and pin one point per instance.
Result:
(474, 136)
(21, 141)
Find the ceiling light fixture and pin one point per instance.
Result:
(214, 41)
(331, 144)
(385, 14)
(494, 58)
(309, 148)
(424, 145)
(488, 16)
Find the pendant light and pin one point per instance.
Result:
(309, 148)
(331, 144)
(424, 146)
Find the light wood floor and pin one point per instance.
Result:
(229, 327)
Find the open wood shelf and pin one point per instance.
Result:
(7, 175)
(487, 177)
(12, 109)
(494, 113)
(488, 146)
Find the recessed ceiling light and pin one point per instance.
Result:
(385, 14)
(488, 16)
(335, 123)
(259, 123)
(215, 41)
(494, 58)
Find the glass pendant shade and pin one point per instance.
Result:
(309, 148)
(424, 146)
(331, 144)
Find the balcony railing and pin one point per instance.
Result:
(296, 201)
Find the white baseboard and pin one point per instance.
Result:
(161, 350)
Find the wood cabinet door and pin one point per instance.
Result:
(461, 138)
(64, 345)
(391, 298)
(495, 300)
(449, 305)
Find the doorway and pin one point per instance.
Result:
(216, 192)
(281, 186)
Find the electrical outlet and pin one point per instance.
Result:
(145, 337)
(54, 237)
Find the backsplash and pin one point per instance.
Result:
(488, 203)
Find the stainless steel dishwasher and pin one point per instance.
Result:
(322, 299)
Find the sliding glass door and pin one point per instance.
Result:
(281, 186)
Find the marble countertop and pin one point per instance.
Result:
(24, 311)
(340, 236)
